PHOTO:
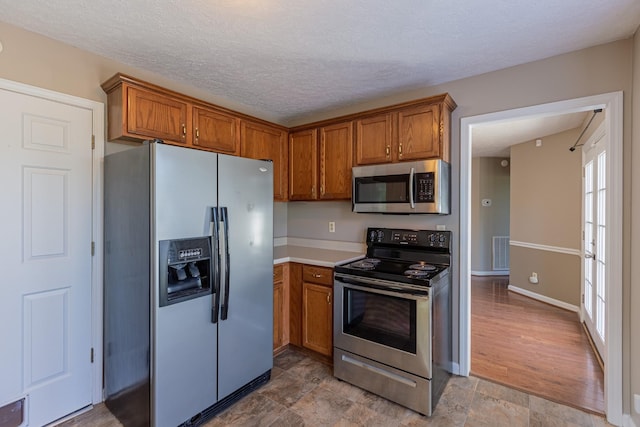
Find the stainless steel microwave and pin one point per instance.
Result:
(421, 187)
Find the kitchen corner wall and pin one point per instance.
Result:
(489, 180)
(546, 210)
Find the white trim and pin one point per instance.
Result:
(544, 298)
(333, 245)
(557, 249)
(627, 421)
(612, 103)
(490, 273)
(97, 109)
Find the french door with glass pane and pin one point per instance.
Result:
(594, 232)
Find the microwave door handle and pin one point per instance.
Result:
(411, 200)
(215, 241)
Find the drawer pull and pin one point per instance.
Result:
(317, 276)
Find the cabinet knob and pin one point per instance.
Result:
(328, 299)
(322, 190)
(388, 150)
(313, 190)
(184, 130)
(400, 149)
(197, 133)
(317, 276)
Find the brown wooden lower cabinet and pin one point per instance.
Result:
(317, 315)
(311, 307)
(280, 307)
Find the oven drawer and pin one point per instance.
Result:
(320, 275)
(393, 384)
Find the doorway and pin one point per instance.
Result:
(612, 104)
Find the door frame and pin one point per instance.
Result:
(97, 109)
(612, 103)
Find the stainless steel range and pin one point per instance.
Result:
(392, 317)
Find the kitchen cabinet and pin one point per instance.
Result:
(147, 114)
(303, 164)
(320, 162)
(280, 309)
(216, 130)
(317, 309)
(374, 137)
(260, 141)
(336, 160)
(138, 111)
(414, 131)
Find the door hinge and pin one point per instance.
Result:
(582, 298)
(93, 248)
(93, 142)
(91, 354)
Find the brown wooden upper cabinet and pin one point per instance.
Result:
(303, 165)
(216, 130)
(151, 115)
(412, 132)
(320, 161)
(259, 141)
(138, 110)
(336, 160)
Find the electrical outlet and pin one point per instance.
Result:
(332, 226)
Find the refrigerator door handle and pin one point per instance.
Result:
(215, 241)
(225, 305)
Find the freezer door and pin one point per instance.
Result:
(185, 339)
(245, 189)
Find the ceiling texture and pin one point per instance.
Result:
(290, 59)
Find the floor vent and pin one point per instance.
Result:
(500, 251)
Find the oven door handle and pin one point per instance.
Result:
(376, 287)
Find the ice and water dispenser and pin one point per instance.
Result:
(185, 269)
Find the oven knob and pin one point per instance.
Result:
(442, 238)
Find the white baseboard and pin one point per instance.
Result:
(490, 273)
(455, 368)
(544, 298)
(627, 421)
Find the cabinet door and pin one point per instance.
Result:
(152, 115)
(419, 133)
(317, 315)
(336, 160)
(216, 130)
(374, 139)
(278, 309)
(303, 161)
(258, 141)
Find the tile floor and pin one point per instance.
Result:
(303, 392)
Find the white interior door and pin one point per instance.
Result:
(45, 255)
(594, 161)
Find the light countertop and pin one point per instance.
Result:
(323, 256)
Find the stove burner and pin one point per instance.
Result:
(363, 265)
(417, 274)
(422, 267)
(373, 261)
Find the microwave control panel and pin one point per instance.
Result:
(425, 187)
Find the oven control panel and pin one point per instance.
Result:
(421, 238)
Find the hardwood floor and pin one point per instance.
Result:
(532, 346)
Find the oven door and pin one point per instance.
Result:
(379, 321)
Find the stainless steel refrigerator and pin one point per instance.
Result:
(188, 298)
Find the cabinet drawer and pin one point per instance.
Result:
(320, 275)
(277, 273)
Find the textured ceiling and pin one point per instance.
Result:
(291, 59)
(494, 139)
